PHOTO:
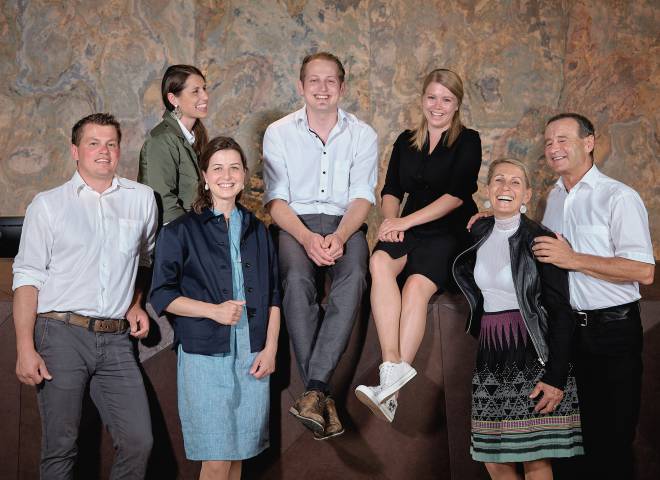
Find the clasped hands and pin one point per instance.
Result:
(392, 229)
(323, 251)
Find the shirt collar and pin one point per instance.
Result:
(186, 133)
(301, 117)
(590, 178)
(79, 184)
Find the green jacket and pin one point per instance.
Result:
(168, 164)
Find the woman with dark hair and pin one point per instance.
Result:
(215, 273)
(524, 400)
(437, 165)
(168, 159)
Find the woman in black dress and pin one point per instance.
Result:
(437, 166)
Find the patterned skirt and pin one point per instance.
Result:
(505, 427)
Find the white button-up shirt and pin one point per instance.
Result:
(600, 216)
(81, 249)
(316, 178)
(190, 136)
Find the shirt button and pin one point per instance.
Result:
(325, 153)
(222, 244)
(323, 172)
(322, 190)
(247, 265)
(249, 289)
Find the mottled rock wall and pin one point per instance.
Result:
(521, 60)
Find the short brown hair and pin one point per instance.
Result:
(341, 73)
(102, 119)
(510, 161)
(204, 198)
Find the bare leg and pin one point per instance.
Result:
(502, 471)
(416, 294)
(216, 470)
(386, 302)
(235, 470)
(538, 470)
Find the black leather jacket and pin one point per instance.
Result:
(541, 289)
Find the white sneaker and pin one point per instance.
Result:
(393, 376)
(369, 396)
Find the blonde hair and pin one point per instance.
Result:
(510, 161)
(452, 82)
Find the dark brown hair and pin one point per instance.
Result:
(102, 119)
(174, 82)
(204, 198)
(452, 82)
(341, 73)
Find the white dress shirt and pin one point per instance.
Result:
(600, 216)
(190, 136)
(81, 249)
(316, 178)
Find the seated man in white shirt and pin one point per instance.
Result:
(76, 302)
(605, 244)
(320, 174)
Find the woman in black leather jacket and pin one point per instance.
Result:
(524, 400)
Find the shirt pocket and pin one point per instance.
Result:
(129, 236)
(593, 239)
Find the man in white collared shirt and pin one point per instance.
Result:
(605, 244)
(76, 302)
(320, 174)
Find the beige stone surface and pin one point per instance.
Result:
(521, 61)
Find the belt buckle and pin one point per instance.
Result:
(583, 319)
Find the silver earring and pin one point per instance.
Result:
(206, 186)
(523, 208)
(177, 112)
(487, 204)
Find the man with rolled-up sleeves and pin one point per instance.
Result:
(320, 174)
(77, 303)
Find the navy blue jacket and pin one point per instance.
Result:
(193, 260)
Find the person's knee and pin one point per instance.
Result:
(296, 280)
(380, 265)
(418, 288)
(137, 442)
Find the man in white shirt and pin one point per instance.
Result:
(320, 174)
(604, 242)
(76, 301)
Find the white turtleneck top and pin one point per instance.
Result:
(492, 271)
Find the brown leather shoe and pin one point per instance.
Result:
(333, 426)
(308, 408)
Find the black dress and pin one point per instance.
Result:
(431, 247)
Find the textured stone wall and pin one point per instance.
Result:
(521, 61)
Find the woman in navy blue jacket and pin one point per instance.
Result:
(215, 273)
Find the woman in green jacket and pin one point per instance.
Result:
(168, 159)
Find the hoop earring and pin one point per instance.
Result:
(177, 112)
(523, 208)
(487, 204)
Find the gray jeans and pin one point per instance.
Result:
(75, 356)
(319, 340)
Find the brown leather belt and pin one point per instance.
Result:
(103, 325)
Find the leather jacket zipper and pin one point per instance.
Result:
(453, 272)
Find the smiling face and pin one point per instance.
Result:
(97, 154)
(225, 177)
(567, 153)
(321, 87)
(192, 100)
(507, 190)
(439, 106)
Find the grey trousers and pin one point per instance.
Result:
(75, 356)
(320, 339)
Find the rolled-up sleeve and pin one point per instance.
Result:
(364, 171)
(167, 268)
(630, 228)
(34, 251)
(149, 238)
(276, 178)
